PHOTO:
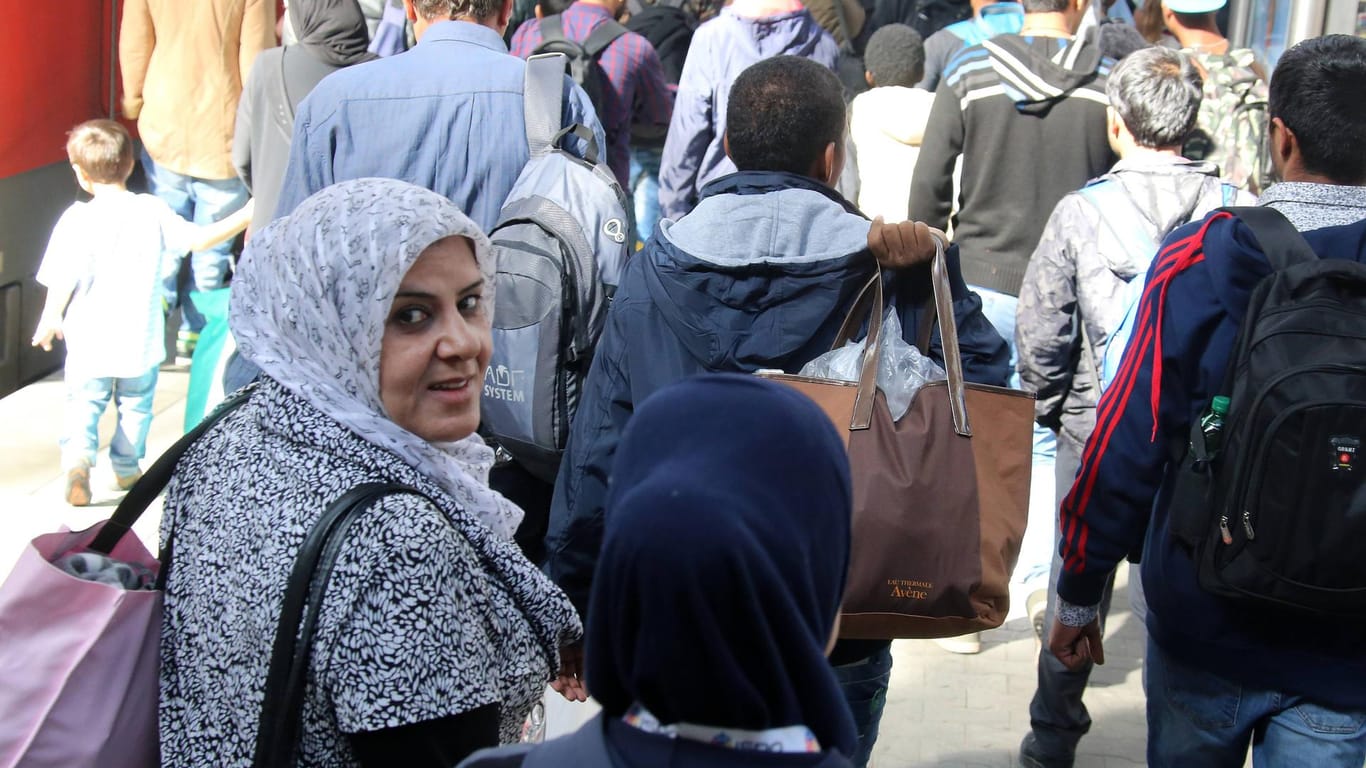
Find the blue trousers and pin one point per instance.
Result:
(1036, 551)
(202, 201)
(86, 400)
(1198, 718)
(864, 684)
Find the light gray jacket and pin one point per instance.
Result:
(1095, 242)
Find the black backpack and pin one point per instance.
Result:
(583, 57)
(925, 16)
(669, 30)
(1278, 515)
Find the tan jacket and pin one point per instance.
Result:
(825, 14)
(184, 63)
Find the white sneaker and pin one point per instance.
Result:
(1036, 605)
(963, 644)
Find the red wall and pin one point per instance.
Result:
(54, 73)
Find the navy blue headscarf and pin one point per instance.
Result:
(723, 561)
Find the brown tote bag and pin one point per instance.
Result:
(940, 497)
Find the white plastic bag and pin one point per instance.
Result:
(901, 370)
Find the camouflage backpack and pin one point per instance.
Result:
(1231, 130)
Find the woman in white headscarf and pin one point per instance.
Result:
(368, 312)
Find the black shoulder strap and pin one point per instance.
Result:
(1283, 245)
(602, 37)
(154, 480)
(552, 30)
(282, 707)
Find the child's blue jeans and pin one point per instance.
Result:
(86, 399)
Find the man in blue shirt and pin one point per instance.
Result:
(446, 115)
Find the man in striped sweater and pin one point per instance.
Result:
(1026, 112)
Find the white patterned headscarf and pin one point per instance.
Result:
(309, 306)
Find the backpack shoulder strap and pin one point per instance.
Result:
(1228, 192)
(541, 99)
(1283, 245)
(602, 37)
(552, 29)
(1109, 198)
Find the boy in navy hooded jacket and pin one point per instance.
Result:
(759, 275)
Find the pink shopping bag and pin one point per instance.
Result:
(78, 661)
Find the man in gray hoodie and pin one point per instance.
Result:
(1026, 113)
(1098, 240)
(745, 32)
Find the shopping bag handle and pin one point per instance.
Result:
(870, 300)
(154, 480)
(868, 304)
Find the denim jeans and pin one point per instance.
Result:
(864, 684)
(1199, 718)
(645, 189)
(1036, 551)
(85, 403)
(202, 201)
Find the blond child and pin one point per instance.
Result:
(103, 270)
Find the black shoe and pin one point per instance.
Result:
(1031, 757)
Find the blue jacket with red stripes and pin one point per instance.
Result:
(1197, 293)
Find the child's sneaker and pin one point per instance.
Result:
(78, 485)
(126, 482)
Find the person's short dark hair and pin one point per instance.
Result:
(432, 10)
(102, 149)
(782, 113)
(1319, 91)
(1045, 6)
(1156, 92)
(553, 7)
(1118, 39)
(895, 56)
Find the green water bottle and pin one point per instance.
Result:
(1212, 425)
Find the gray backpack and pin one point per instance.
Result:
(561, 243)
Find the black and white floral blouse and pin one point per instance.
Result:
(428, 614)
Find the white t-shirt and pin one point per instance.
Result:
(113, 252)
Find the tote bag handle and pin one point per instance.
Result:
(869, 306)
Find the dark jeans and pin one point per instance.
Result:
(1057, 716)
(864, 684)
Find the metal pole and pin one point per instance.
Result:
(1306, 20)
(113, 57)
(1239, 21)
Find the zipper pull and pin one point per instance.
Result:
(1247, 525)
(1224, 532)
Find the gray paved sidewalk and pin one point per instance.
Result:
(942, 709)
